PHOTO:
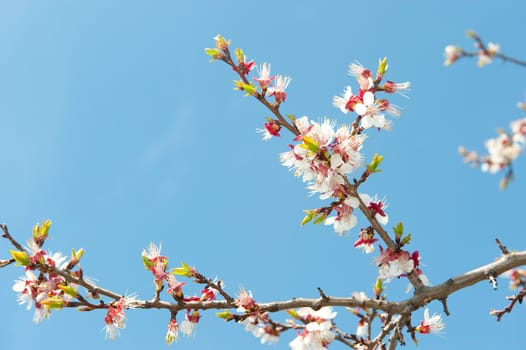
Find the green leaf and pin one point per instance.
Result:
(55, 303)
(146, 262)
(308, 217)
(21, 258)
(249, 89)
(69, 290)
(320, 217)
(309, 144)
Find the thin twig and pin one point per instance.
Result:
(10, 238)
(514, 299)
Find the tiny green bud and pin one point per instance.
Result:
(373, 165)
(293, 313)
(225, 315)
(221, 43)
(249, 89)
(75, 258)
(215, 54)
(185, 270)
(378, 288)
(399, 230)
(382, 67)
(45, 227)
(76, 255)
(240, 56)
(40, 231)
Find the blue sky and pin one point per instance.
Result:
(117, 128)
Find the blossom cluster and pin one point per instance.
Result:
(316, 334)
(398, 263)
(157, 263)
(51, 290)
(484, 53)
(45, 291)
(115, 318)
(256, 321)
(271, 86)
(368, 107)
(395, 263)
(502, 150)
(324, 156)
(505, 148)
(517, 278)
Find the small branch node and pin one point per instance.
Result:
(444, 305)
(502, 247)
(322, 294)
(493, 280)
